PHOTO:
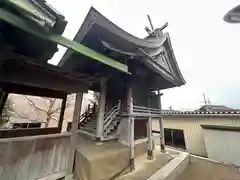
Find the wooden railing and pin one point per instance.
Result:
(111, 115)
(108, 116)
(140, 111)
(27, 158)
(145, 111)
(91, 110)
(85, 117)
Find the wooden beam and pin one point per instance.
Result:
(1, 61)
(61, 116)
(161, 126)
(32, 91)
(150, 139)
(32, 138)
(5, 53)
(3, 99)
(76, 115)
(28, 75)
(10, 133)
(131, 129)
(101, 111)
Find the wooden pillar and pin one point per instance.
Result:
(5, 54)
(3, 99)
(1, 62)
(161, 126)
(150, 140)
(76, 115)
(61, 116)
(101, 111)
(131, 129)
(172, 136)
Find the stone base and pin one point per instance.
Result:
(141, 148)
(150, 155)
(98, 161)
(131, 164)
(163, 150)
(98, 139)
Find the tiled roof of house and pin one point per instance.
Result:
(202, 113)
(206, 110)
(215, 108)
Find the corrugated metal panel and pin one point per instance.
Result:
(223, 146)
(193, 132)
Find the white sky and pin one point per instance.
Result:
(206, 48)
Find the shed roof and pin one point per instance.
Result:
(20, 26)
(23, 64)
(39, 12)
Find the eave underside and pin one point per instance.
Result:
(20, 75)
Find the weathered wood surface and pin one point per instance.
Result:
(34, 157)
(10, 133)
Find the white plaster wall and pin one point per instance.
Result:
(223, 146)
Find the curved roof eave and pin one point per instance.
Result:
(233, 15)
(177, 69)
(94, 17)
(152, 44)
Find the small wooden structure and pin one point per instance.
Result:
(151, 66)
(126, 70)
(30, 33)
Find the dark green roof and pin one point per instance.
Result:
(33, 28)
(38, 12)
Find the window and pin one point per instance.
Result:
(25, 115)
(175, 138)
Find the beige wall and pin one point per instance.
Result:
(193, 133)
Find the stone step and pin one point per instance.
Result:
(88, 129)
(92, 122)
(93, 126)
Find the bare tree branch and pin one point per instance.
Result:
(33, 104)
(51, 109)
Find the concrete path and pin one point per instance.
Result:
(146, 168)
(201, 169)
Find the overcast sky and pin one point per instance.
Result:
(206, 48)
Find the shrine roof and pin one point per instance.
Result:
(100, 34)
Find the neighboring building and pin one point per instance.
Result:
(215, 108)
(204, 133)
(24, 112)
